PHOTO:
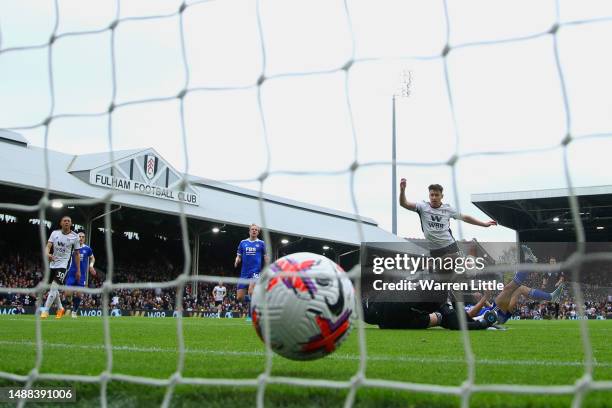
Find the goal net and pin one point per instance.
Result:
(302, 92)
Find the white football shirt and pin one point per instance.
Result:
(219, 293)
(64, 246)
(435, 223)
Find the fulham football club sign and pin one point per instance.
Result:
(150, 166)
(144, 173)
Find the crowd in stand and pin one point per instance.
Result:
(566, 309)
(25, 271)
(596, 287)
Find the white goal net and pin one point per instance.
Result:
(205, 66)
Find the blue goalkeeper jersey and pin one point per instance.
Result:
(252, 255)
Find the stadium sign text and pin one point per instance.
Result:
(118, 183)
(12, 311)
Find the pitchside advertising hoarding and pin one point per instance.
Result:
(29, 310)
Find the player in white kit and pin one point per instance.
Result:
(219, 293)
(435, 223)
(62, 244)
(435, 220)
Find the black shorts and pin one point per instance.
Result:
(58, 275)
(447, 250)
(218, 302)
(451, 251)
(396, 315)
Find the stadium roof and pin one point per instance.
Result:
(545, 215)
(83, 176)
(6, 136)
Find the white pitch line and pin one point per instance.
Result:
(210, 321)
(336, 356)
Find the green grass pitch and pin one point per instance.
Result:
(529, 352)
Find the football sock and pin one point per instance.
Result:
(50, 299)
(538, 294)
(247, 299)
(76, 302)
(520, 277)
(58, 299)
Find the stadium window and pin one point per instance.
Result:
(103, 230)
(8, 218)
(78, 227)
(36, 221)
(131, 235)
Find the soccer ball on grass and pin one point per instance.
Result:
(310, 306)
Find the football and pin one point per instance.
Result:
(310, 306)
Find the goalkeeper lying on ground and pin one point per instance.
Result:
(420, 315)
(425, 314)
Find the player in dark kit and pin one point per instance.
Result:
(420, 315)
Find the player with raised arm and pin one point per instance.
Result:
(435, 220)
(252, 254)
(435, 223)
(86, 266)
(219, 293)
(62, 244)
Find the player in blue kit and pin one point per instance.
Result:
(479, 307)
(87, 265)
(506, 300)
(252, 253)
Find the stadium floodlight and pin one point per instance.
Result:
(404, 92)
(325, 247)
(216, 230)
(599, 228)
(57, 204)
(556, 219)
(559, 229)
(285, 244)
